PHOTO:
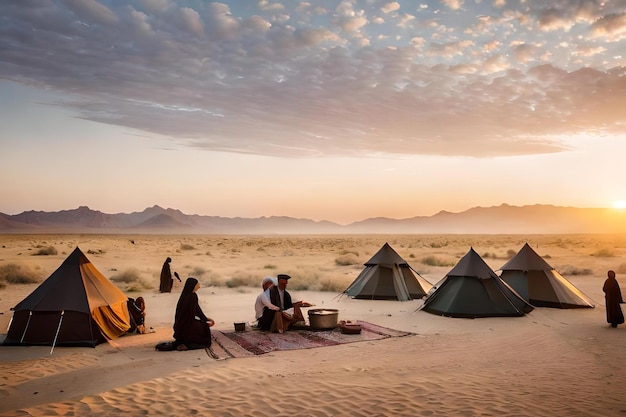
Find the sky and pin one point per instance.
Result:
(327, 110)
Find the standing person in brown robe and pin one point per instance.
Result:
(166, 277)
(613, 299)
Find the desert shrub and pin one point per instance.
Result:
(603, 253)
(307, 279)
(132, 278)
(303, 280)
(197, 271)
(348, 252)
(269, 266)
(242, 281)
(49, 250)
(17, 274)
(621, 269)
(210, 279)
(510, 253)
(434, 261)
(127, 276)
(345, 260)
(572, 270)
(186, 246)
(2, 285)
(96, 252)
(206, 277)
(330, 286)
(438, 245)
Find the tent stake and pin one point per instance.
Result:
(54, 342)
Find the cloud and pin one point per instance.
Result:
(553, 20)
(524, 52)
(267, 6)
(297, 79)
(453, 4)
(392, 6)
(348, 19)
(191, 21)
(91, 11)
(451, 48)
(612, 27)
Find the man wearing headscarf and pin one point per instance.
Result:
(613, 299)
(263, 299)
(191, 325)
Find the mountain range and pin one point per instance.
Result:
(503, 219)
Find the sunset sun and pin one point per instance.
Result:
(619, 204)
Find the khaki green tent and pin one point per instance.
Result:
(75, 306)
(472, 289)
(387, 276)
(540, 284)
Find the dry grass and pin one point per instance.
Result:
(132, 280)
(324, 263)
(44, 251)
(18, 274)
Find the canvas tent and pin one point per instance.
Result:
(540, 284)
(386, 276)
(472, 289)
(75, 306)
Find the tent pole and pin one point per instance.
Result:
(54, 342)
(9, 326)
(420, 275)
(30, 314)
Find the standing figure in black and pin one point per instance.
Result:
(166, 277)
(613, 299)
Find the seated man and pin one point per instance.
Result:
(288, 312)
(263, 300)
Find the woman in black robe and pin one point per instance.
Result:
(166, 277)
(613, 299)
(192, 328)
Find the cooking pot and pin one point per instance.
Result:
(323, 318)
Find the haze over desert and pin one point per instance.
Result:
(522, 366)
(247, 139)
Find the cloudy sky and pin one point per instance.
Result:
(335, 110)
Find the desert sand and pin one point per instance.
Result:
(551, 362)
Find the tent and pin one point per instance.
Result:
(540, 284)
(75, 306)
(472, 289)
(386, 276)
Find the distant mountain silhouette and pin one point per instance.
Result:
(503, 219)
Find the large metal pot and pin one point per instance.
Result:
(323, 318)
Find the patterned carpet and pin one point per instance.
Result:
(256, 342)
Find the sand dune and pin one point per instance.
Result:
(549, 363)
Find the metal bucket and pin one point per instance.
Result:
(323, 318)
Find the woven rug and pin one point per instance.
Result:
(257, 342)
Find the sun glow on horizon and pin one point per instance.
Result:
(619, 204)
